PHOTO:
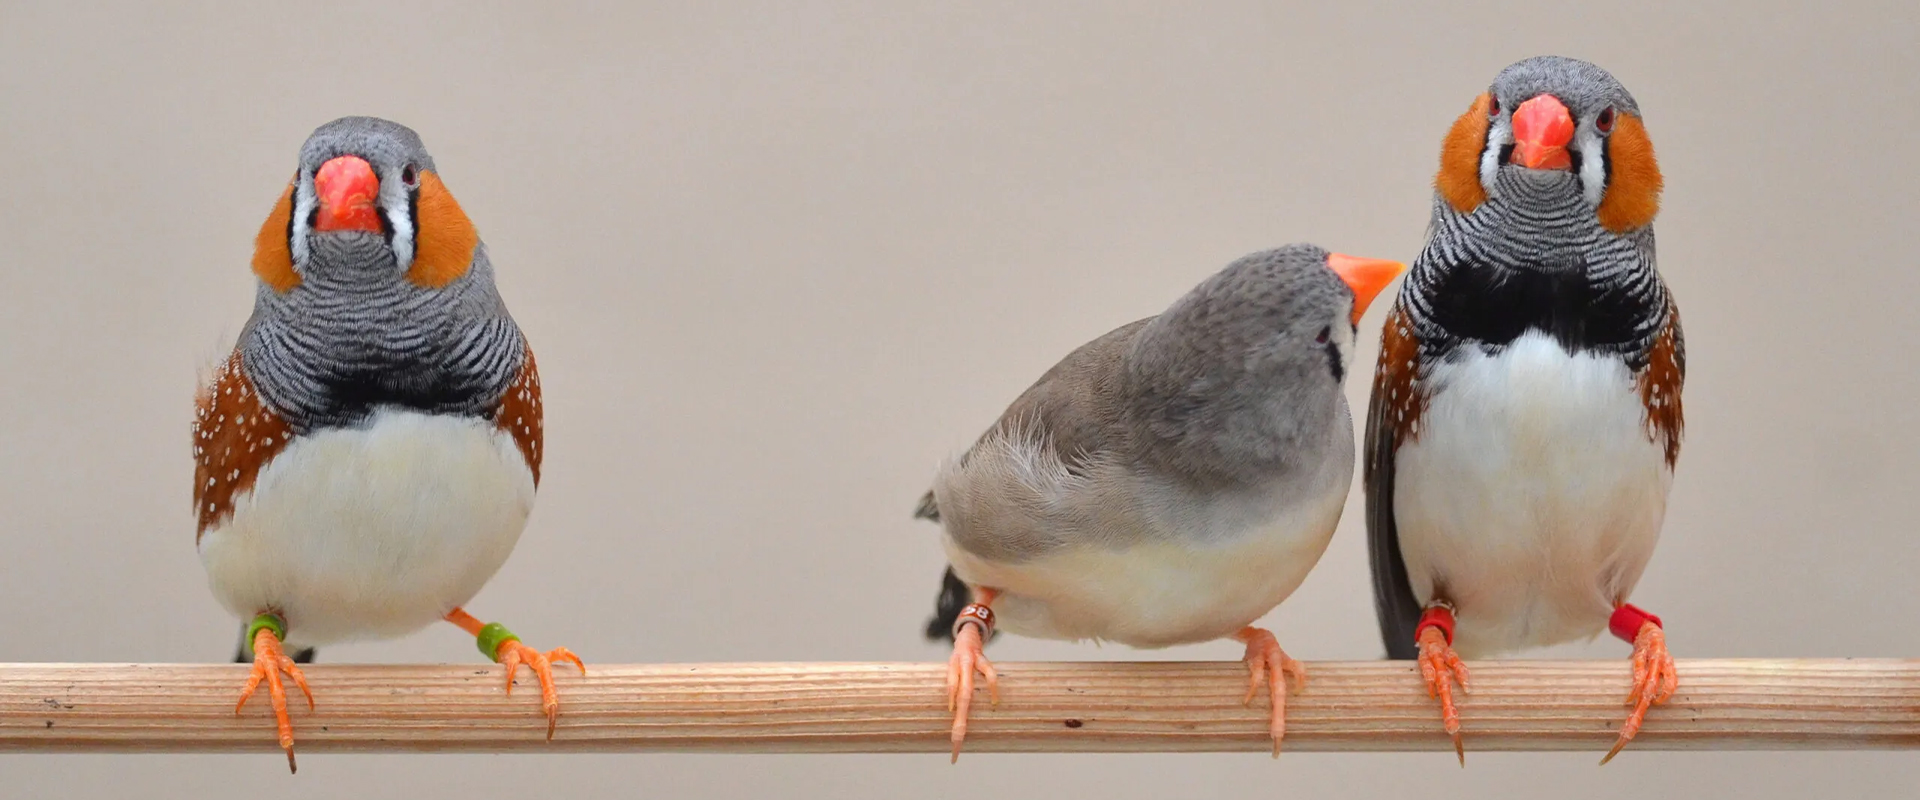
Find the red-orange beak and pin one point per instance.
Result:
(1541, 130)
(347, 189)
(1365, 276)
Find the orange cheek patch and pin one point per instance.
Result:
(444, 243)
(272, 261)
(1633, 187)
(1459, 178)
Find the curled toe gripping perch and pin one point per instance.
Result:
(499, 644)
(1265, 660)
(1440, 667)
(1654, 679)
(970, 633)
(266, 632)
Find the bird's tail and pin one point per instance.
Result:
(245, 656)
(954, 596)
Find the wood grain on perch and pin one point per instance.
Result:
(1729, 704)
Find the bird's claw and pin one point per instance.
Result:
(1265, 660)
(1654, 681)
(269, 661)
(969, 656)
(513, 653)
(1440, 668)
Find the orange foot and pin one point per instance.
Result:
(1654, 681)
(1440, 667)
(1265, 659)
(512, 654)
(969, 656)
(268, 662)
(501, 645)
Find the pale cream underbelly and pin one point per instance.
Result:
(374, 531)
(1532, 493)
(1159, 593)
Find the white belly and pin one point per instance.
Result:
(1176, 590)
(375, 531)
(1533, 492)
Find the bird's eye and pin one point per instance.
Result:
(1493, 106)
(1324, 334)
(1604, 122)
(410, 176)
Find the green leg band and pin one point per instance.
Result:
(271, 622)
(491, 637)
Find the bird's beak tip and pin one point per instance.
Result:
(1367, 277)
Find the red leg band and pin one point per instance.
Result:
(1436, 616)
(1627, 621)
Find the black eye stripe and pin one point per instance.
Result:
(293, 202)
(386, 225)
(413, 218)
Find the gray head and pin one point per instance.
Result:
(1585, 88)
(1250, 362)
(374, 287)
(365, 198)
(1550, 122)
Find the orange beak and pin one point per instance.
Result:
(1365, 276)
(1541, 130)
(347, 187)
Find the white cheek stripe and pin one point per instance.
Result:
(1499, 135)
(393, 199)
(303, 205)
(1593, 166)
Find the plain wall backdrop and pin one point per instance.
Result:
(778, 259)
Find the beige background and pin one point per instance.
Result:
(778, 261)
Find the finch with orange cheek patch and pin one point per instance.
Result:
(1525, 416)
(366, 458)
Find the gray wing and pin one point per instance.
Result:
(1076, 403)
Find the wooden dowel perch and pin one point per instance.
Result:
(873, 708)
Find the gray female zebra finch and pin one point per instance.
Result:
(1170, 482)
(1525, 416)
(366, 458)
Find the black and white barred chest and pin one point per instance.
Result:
(327, 355)
(1489, 277)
